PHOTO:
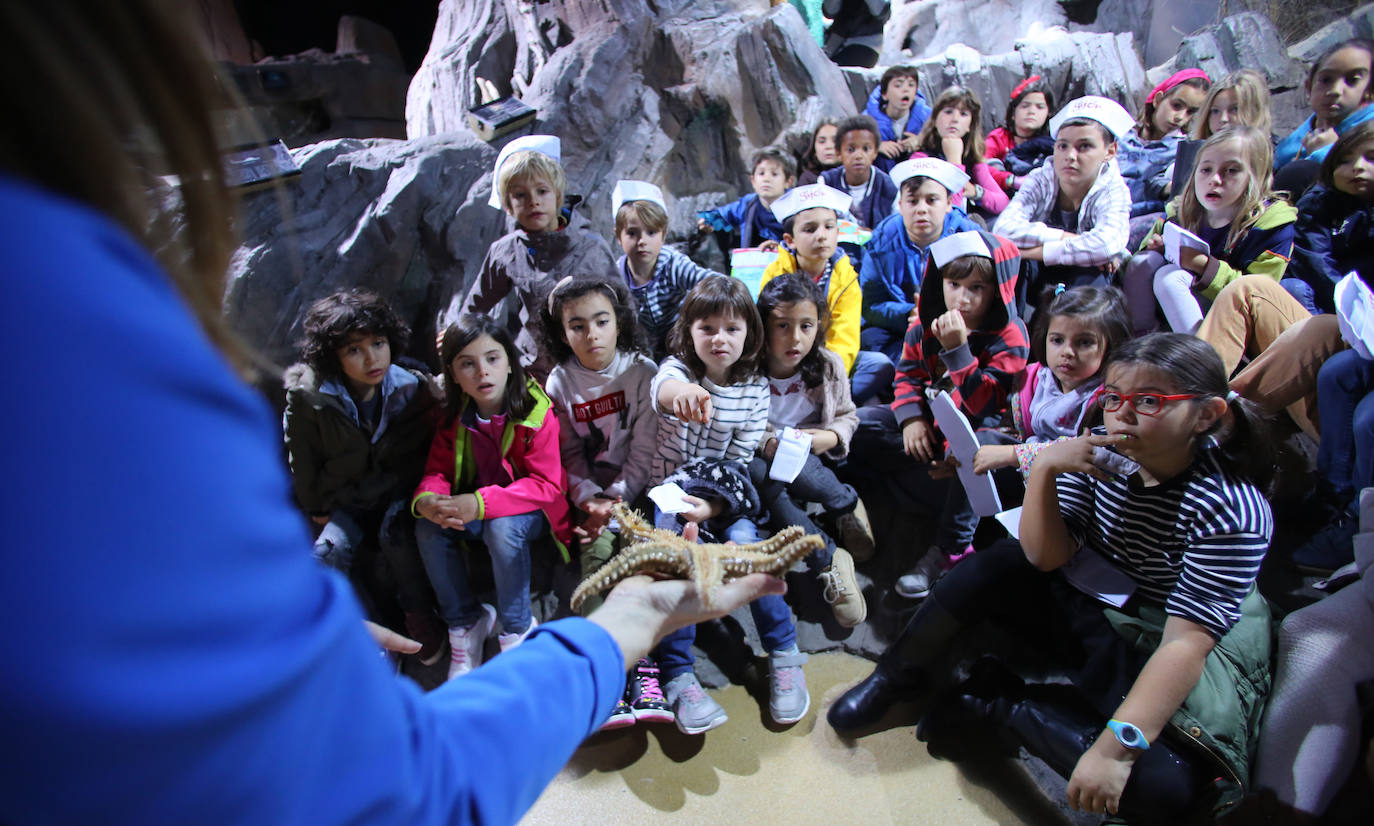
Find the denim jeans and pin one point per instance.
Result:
(883, 341)
(508, 541)
(815, 483)
(1303, 293)
(772, 617)
(1345, 395)
(394, 528)
(871, 377)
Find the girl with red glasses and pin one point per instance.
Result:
(1139, 586)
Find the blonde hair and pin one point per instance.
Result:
(1252, 103)
(974, 144)
(530, 165)
(650, 214)
(122, 124)
(1258, 155)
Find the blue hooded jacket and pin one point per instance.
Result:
(893, 268)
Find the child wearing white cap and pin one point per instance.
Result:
(895, 257)
(1073, 215)
(810, 245)
(546, 244)
(659, 277)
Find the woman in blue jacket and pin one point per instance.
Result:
(194, 664)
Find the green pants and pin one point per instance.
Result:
(594, 555)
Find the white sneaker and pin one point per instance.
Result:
(509, 641)
(465, 644)
(695, 711)
(788, 699)
(916, 584)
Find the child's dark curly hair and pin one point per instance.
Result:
(790, 288)
(630, 337)
(330, 322)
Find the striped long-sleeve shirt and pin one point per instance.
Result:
(1193, 544)
(658, 302)
(739, 418)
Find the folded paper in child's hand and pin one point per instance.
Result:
(669, 498)
(793, 448)
(1176, 239)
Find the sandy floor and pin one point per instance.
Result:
(749, 771)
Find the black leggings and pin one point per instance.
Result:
(1000, 585)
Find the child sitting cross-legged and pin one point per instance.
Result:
(809, 215)
(494, 475)
(546, 244)
(357, 428)
(607, 434)
(772, 172)
(1073, 215)
(809, 391)
(712, 401)
(658, 276)
(967, 340)
(895, 257)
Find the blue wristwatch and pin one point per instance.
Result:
(1129, 735)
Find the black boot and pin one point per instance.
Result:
(901, 670)
(968, 721)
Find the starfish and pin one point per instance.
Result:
(651, 550)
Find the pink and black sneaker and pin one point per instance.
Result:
(645, 695)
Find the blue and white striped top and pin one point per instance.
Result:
(1193, 544)
(739, 418)
(659, 301)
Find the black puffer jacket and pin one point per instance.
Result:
(335, 462)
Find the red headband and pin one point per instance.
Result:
(1175, 79)
(1021, 87)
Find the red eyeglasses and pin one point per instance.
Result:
(1146, 404)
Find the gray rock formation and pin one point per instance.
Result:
(403, 218)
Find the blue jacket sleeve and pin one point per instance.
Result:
(883, 303)
(730, 216)
(1313, 261)
(196, 665)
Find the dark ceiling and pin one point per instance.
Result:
(293, 26)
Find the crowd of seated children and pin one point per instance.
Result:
(895, 262)
(810, 248)
(659, 370)
(548, 242)
(900, 110)
(1023, 141)
(954, 133)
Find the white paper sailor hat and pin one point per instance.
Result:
(1105, 111)
(957, 246)
(543, 144)
(947, 174)
(626, 191)
(811, 196)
